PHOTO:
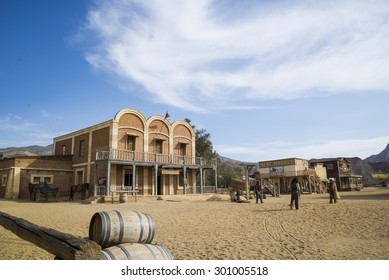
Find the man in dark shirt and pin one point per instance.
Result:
(295, 192)
(258, 192)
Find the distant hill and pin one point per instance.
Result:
(381, 157)
(233, 162)
(374, 164)
(27, 151)
(360, 167)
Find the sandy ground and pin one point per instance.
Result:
(192, 228)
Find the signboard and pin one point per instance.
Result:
(276, 163)
(170, 172)
(277, 171)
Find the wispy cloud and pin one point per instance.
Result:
(20, 132)
(205, 54)
(337, 148)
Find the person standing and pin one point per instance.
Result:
(258, 192)
(294, 195)
(332, 190)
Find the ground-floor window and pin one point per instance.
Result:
(79, 178)
(4, 179)
(41, 178)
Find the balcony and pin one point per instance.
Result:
(145, 157)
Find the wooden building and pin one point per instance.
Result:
(277, 175)
(340, 170)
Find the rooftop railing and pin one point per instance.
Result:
(146, 157)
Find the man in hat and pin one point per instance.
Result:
(258, 192)
(332, 190)
(294, 193)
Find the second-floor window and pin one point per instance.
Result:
(82, 148)
(158, 146)
(130, 143)
(63, 150)
(182, 149)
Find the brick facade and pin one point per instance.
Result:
(19, 171)
(150, 154)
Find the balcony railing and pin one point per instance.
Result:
(134, 156)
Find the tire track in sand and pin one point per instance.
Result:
(293, 245)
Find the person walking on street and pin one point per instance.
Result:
(332, 191)
(258, 192)
(295, 192)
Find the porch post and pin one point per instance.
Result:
(95, 180)
(247, 183)
(215, 169)
(108, 176)
(201, 181)
(155, 179)
(185, 179)
(133, 176)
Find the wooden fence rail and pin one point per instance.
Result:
(62, 245)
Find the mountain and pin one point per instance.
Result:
(27, 151)
(237, 163)
(381, 157)
(234, 161)
(360, 167)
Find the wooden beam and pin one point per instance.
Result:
(62, 245)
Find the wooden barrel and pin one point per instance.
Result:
(123, 198)
(136, 251)
(116, 227)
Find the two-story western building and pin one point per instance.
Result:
(340, 170)
(152, 155)
(278, 174)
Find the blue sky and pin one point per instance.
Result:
(267, 79)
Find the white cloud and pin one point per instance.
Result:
(277, 150)
(200, 55)
(16, 131)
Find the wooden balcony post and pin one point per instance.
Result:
(215, 169)
(201, 180)
(133, 176)
(108, 176)
(184, 179)
(155, 179)
(95, 179)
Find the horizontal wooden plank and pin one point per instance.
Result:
(62, 245)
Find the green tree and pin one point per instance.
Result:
(204, 149)
(204, 146)
(227, 172)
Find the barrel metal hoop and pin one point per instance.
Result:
(111, 255)
(165, 252)
(106, 220)
(141, 227)
(103, 255)
(150, 236)
(125, 251)
(151, 251)
(121, 223)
